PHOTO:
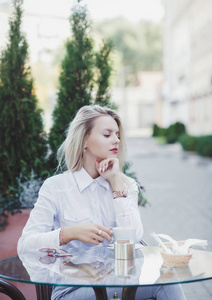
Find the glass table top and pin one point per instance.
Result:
(99, 268)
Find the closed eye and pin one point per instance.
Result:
(108, 135)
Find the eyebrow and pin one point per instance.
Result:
(110, 130)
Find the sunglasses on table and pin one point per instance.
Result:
(52, 254)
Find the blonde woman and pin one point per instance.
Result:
(78, 208)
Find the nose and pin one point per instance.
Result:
(116, 139)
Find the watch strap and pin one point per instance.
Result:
(120, 194)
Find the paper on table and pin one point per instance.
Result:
(184, 248)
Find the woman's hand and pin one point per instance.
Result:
(87, 233)
(108, 167)
(110, 170)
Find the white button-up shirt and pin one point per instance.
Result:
(75, 198)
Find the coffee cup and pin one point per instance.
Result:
(125, 234)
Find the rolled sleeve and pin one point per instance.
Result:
(127, 212)
(39, 231)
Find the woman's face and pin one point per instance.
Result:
(103, 140)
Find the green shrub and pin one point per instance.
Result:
(188, 142)
(26, 192)
(23, 195)
(163, 132)
(204, 145)
(158, 131)
(177, 132)
(174, 131)
(141, 199)
(7, 205)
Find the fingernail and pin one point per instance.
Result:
(103, 169)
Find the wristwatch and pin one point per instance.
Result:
(120, 194)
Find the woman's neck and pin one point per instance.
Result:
(91, 170)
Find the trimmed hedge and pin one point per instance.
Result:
(172, 133)
(204, 145)
(188, 142)
(158, 131)
(177, 133)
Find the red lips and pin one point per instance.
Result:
(114, 150)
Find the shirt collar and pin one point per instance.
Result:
(83, 180)
(101, 180)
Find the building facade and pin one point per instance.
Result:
(187, 88)
(140, 106)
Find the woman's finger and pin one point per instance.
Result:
(105, 229)
(103, 165)
(106, 164)
(106, 236)
(102, 233)
(93, 241)
(99, 238)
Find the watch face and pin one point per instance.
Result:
(117, 194)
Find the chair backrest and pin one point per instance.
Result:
(10, 290)
(43, 291)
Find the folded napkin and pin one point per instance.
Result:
(176, 247)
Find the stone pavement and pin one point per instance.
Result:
(179, 190)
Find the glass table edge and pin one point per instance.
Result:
(101, 286)
(98, 285)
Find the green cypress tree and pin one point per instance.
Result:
(22, 138)
(104, 69)
(77, 81)
(76, 77)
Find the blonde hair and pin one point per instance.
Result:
(70, 153)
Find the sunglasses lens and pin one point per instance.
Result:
(47, 259)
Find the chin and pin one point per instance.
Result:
(112, 155)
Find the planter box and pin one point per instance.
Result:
(8, 247)
(9, 237)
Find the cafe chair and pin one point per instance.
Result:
(43, 291)
(10, 290)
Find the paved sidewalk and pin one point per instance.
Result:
(178, 187)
